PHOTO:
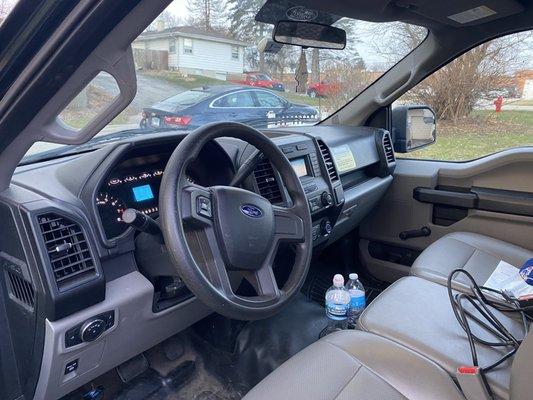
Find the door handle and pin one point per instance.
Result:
(424, 231)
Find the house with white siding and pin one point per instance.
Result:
(192, 50)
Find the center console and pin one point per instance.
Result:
(313, 164)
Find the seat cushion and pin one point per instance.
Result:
(356, 365)
(477, 254)
(417, 314)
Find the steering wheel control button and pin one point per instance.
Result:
(72, 366)
(203, 207)
(92, 329)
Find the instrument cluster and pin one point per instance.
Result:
(137, 188)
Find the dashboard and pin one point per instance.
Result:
(120, 276)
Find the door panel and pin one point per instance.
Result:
(491, 196)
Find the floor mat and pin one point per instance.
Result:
(319, 281)
(218, 358)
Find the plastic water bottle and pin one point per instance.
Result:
(357, 298)
(337, 306)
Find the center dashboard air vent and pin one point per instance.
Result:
(267, 183)
(328, 160)
(68, 250)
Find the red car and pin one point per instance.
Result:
(322, 89)
(258, 80)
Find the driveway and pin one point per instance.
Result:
(150, 89)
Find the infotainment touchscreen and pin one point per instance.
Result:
(300, 167)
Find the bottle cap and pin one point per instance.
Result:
(353, 276)
(338, 280)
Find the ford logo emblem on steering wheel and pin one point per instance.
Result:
(251, 211)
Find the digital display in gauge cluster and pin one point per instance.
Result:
(137, 189)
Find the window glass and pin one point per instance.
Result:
(483, 100)
(90, 102)
(237, 99)
(234, 52)
(187, 46)
(266, 99)
(215, 47)
(5, 8)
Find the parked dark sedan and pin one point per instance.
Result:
(260, 108)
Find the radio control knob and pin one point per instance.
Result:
(92, 329)
(326, 227)
(327, 199)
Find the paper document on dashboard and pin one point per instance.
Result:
(506, 276)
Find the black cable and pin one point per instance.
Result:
(488, 321)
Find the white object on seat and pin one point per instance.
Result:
(477, 254)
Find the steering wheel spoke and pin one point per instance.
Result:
(289, 226)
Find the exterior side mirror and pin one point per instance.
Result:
(413, 127)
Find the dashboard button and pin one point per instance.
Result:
(71, 366)
(327, 199)
(92, 329)
(72, 337)
(326, 227)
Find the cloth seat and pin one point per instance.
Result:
(477, 254)
(417, 314)
(356, 365)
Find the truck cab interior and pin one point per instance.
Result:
(169, 263)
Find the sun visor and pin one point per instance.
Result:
(283, 10)
(462, 13)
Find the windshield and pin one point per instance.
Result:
(202, 61)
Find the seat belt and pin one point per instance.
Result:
(472, 383)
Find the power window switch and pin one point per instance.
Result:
(71, 366)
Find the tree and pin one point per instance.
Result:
(243, 26)
(455, 89)
(165, 20)
(206, 14)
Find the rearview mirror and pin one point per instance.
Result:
(309, 34)
(413, 127)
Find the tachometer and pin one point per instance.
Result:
(110, 209)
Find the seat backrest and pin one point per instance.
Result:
(522, 370)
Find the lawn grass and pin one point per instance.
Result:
(188, 82)
(194, 81)
(485, 132)
(522, 103)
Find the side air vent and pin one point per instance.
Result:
(328, 160)
(389, 151)
(21, 290)
(267, 183)
(68, 250)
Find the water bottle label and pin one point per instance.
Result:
(358, 302)
(357, 299)
(336, 311)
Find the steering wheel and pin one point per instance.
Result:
(210, 231)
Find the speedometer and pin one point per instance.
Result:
(110, 209)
